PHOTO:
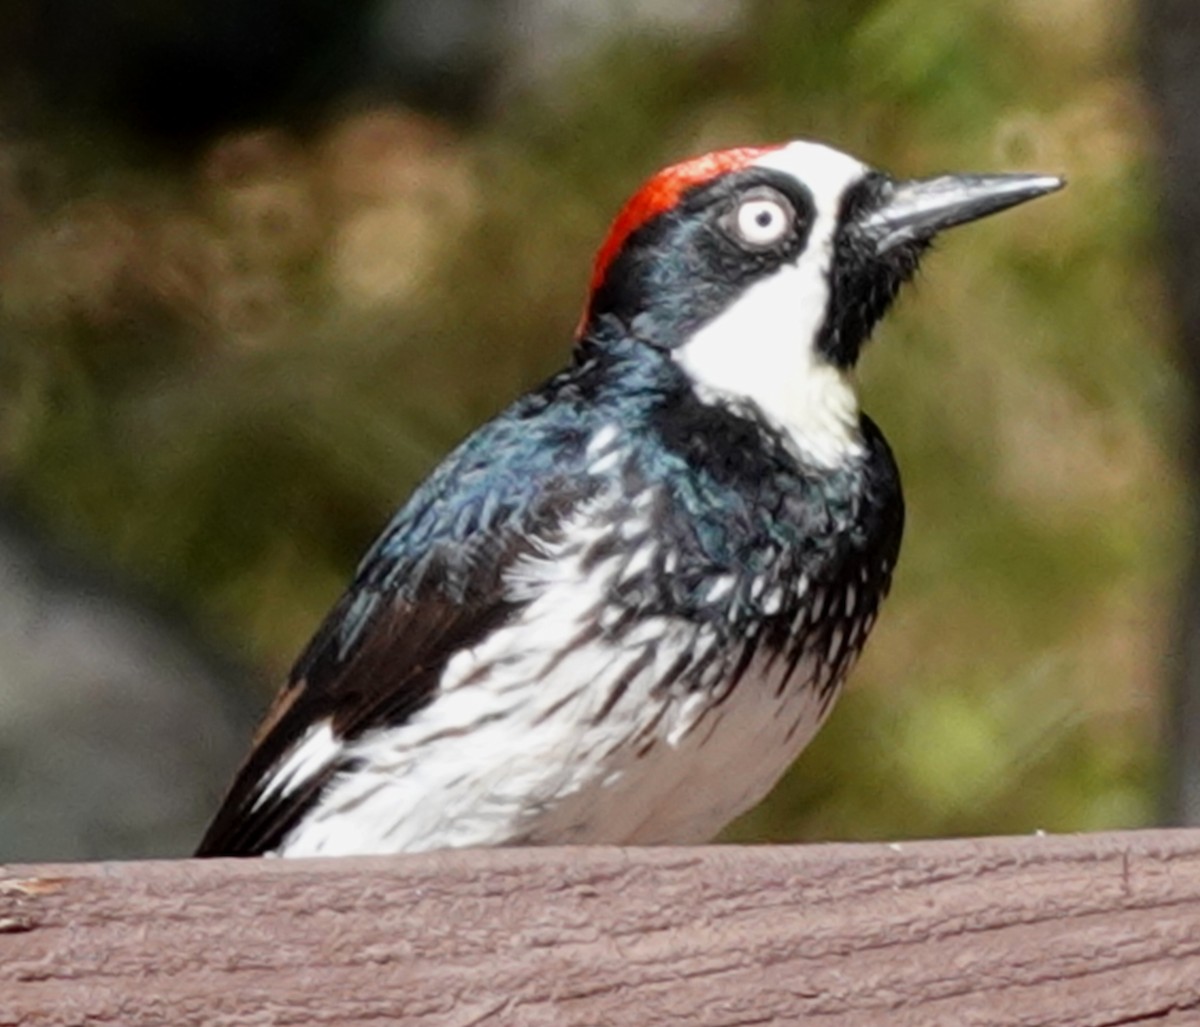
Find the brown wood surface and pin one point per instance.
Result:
(1040, 931)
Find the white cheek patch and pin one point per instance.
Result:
(763, 347)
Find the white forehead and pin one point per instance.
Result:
(827, 173)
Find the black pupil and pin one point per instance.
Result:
(764, 218)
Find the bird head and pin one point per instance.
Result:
(763, 270)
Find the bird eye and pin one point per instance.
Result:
(763, 220)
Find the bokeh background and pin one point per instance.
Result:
(261, 264)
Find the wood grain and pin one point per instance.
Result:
(1094, 930)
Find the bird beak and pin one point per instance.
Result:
(918, 210)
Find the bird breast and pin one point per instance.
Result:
(586, 719)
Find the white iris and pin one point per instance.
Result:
(762, 221)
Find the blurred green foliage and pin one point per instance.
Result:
(225, 376)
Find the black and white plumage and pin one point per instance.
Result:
(617, 612)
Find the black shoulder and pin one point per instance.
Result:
(884, 497)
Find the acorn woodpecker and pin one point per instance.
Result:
(617, 612)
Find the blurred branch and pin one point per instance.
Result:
(1171, 59)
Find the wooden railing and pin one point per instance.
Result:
(1095, 930)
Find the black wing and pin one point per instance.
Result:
(432, 585)
(389, 675)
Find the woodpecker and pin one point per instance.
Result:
(618, 611)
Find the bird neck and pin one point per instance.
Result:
(807, 400)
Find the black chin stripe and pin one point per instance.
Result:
(862, 285)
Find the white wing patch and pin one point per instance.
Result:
(313, 754)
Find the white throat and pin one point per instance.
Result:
(751, 353)
(763, 347)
